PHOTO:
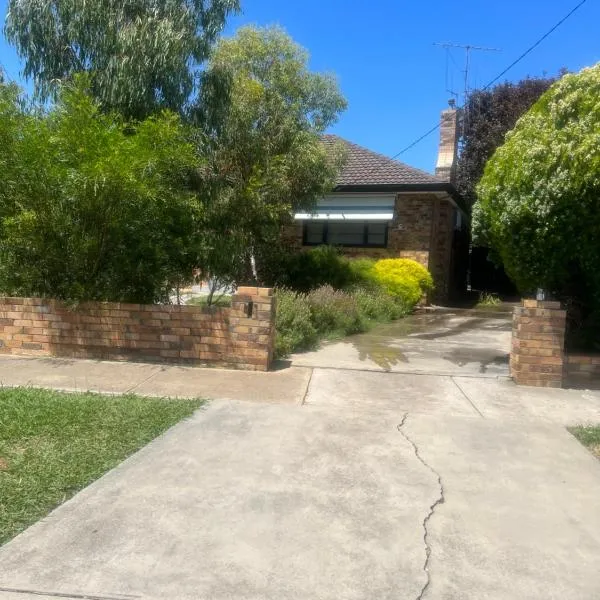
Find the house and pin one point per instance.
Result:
(381, 207)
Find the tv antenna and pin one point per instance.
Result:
(468, 48)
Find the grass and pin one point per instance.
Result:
(54, 444)
(488, 300)
(589, 436)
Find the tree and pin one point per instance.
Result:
(490, 115)
(93, 207)
(141, 55)
(262, 139)
(539, 198)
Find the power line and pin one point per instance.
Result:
(532, 48)
(514, 63)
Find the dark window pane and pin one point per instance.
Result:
(376, 234)
(346, 234)
(313, 233)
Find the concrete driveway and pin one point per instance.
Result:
(441, 342)
(358, 485)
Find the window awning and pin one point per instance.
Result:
(344, 216)
(351, 208)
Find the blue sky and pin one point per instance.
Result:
(388, 68)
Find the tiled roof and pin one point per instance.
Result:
(365, 168)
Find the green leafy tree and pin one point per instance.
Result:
(141, 55)
(92, 207)
(262, 138)
(539, 199)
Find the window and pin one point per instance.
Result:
(346, 233)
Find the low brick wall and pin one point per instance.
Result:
(240, 337)
(538, 339)
(582, 371)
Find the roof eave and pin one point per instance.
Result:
(441, 186)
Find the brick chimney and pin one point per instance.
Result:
(448, 152)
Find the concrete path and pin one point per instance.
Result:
(442, 342)
(285, 386)
(332, 484)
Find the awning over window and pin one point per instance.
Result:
(351, 208)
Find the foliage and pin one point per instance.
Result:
(53, 444)
(334, 311)
(141, 55)
(323, 265)
(304, 319)
(490, 114)
(94, 208)
(295, 330)
(363, 272)
(261, 112)
(378, 306)
(404, 279)
(540, 194)
(487, 299)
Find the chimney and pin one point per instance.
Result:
(448, 152)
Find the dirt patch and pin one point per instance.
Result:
(3, 464)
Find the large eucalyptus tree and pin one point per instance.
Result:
(140, 55)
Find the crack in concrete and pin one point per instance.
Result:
(432, 508)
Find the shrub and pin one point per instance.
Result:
(303, 319)
(404, 279)
(334, 311)
(319, 266)
(94, 208)
(363, 272)
(377, 305)
(295, 330)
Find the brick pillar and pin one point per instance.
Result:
(252, 326)
(538, 337)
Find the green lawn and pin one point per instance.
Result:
(589, 436)
(53, 444)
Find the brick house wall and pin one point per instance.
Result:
(422, 230)
(238, 337)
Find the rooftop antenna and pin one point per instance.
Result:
(468, 48)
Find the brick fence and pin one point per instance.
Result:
(538, 356)
(240, 337)
(538, 340)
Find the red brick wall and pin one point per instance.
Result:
(440, 259)
(414, 215)
(538, 338)
(182, 334)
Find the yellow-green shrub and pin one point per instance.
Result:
(405, 279)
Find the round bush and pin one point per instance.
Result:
(403, 278)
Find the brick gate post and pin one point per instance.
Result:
(538, 338)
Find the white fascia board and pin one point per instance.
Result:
(346, 216)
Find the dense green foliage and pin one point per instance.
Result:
(539, 201)
(141, 55)
(372, 292)
(261, 112)
(488, 116)
(404, 279)
(93, 208)
(53, 444)
(306, 270)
